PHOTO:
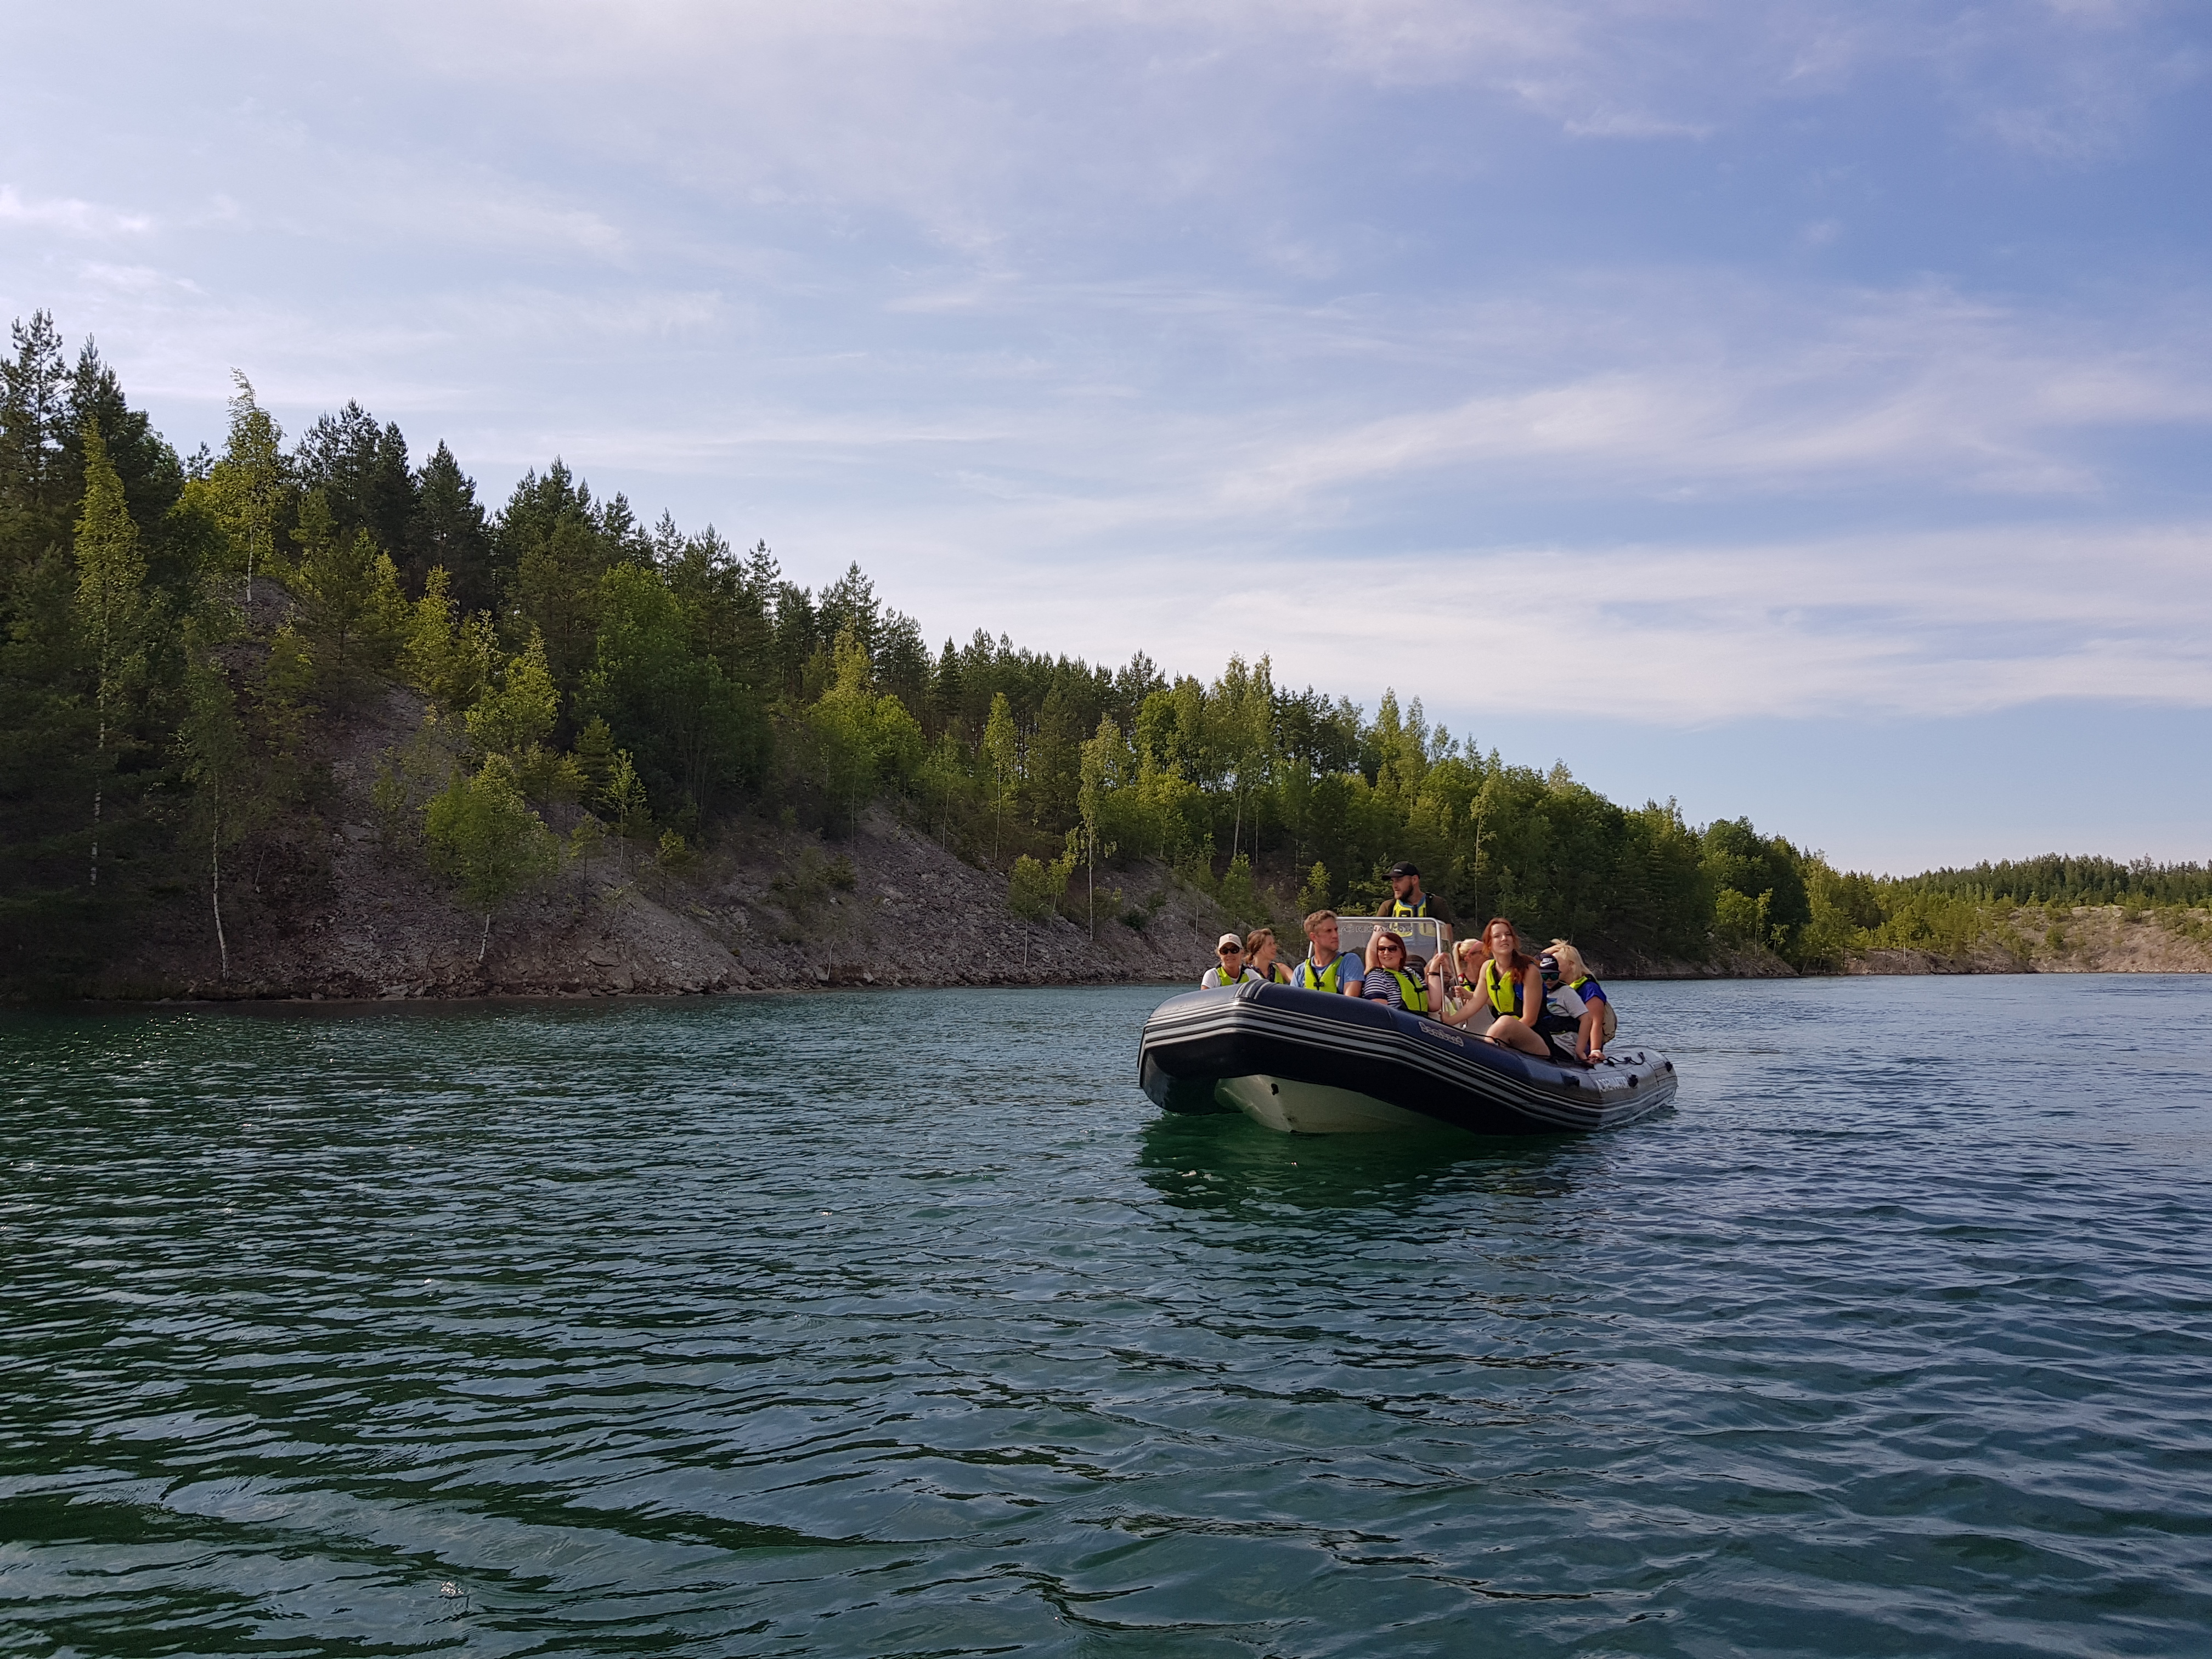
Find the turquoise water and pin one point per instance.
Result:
(901, 1324)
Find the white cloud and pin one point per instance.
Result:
(503, 214)
(1744, 391)
(134, 279)
(545, 317)
(69, 216)
(1918, 626)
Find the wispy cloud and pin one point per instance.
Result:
(1916, 626)
(541, 317)
(69, 216)
(1661, 386)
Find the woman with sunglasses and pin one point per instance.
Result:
(1390, 981)
(1229, 969)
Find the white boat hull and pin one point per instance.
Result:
(1315, 1109)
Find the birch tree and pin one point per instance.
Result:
(1099, 761)
(1002, 753)
(247, 485)
(485, 838)
(215, 766)
(111, 604)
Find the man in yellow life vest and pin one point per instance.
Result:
(1407, 898)
(1328, 966)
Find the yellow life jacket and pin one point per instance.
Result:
(1399, 908)
(1412, 989)
(1503, 994)
(1330, 979)
(1611, 1022)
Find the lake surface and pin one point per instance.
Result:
(902, 1324)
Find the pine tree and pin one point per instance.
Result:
(849, 605)
(153, 477)
(843, 723)
(1051, 761)
(1243, 707)
(362, 468)
(797, 638)
(594, 750)
(448, 532)
(351, 589)
(901, 662)
(944, 691)
(556, 591)
(32, 433)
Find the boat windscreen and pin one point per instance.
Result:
(1424, 936)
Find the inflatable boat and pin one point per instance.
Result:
(1309, 1063)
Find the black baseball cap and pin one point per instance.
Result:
(1549, 965)
(1402, 868)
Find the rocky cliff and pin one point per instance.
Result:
(347, 909)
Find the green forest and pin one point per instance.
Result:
(180, 636)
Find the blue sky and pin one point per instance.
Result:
(1799, 409)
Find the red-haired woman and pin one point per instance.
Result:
(1512, 985)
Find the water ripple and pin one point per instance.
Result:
(701, 1329)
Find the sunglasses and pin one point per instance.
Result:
(1390, 949)
(1230, 950)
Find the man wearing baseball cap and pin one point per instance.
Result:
(1407, 898)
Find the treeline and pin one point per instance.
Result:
(2015, 907)
(185, 638)
(2056, 879)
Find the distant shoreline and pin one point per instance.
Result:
(246, 1000)
(358, 917)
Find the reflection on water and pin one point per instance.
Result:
(901, 1323)
(1229, 1163)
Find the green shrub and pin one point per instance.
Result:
(1239, 897)
(1315, 895)
(1034, 888)
(487, 841)
(811, 880)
